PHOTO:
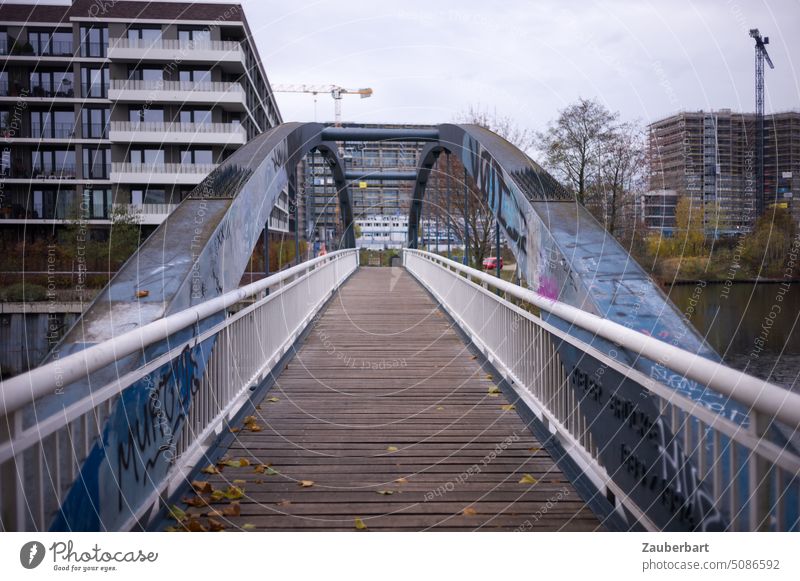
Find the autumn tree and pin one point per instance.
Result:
(574, 145)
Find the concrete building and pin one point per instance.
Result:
(121, 107)
(710, 157)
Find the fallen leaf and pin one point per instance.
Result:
(234, 493)
(270, 471)
(488, 376)
(210, 469)
(494, 390)
(306, 483)
(401, 481)
(391, 449)
(534, 450)
(508, 408)
(239, 482)
(233, 509)
(469, 511)
(272, 399)
(261, 468)
(250, 419)
(239, 463)
(202, 487)
(440, 408)
(177, 513)
(217, 496)
(215, 525)
(197, 501)
(248, 527)
(254, 427)
(528, 479)
(195, 526)
(474, 357)
(385, 492)
(360, 524)
(140, 294)
(284, 503)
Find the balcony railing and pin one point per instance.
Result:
(177, 127)
(163, 168)
(66, 171)
(174, 44)
(191, 86)
(47, 91)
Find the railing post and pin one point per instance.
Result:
(759, 474)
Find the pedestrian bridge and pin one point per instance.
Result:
(332, 395)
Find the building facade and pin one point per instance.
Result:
(710, 157)
(110, 108)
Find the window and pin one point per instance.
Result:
(96, 162)
(197, 156)
(194, 35)
(94, 41)
(195, 75)
(143, 195)
(98, 202)
(94, 123)
(148, 156)
(145, 74)
(53, 163)
(3, 42)
(4, 83)
(144, 35)
(94, 81)
(149, 115)
(195, 116)
(56, 124)
(52, 84)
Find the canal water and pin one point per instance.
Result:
(755, 327)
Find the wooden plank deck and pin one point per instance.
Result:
(388, 418)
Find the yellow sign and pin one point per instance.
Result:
(362, 185)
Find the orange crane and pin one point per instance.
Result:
(335, 91)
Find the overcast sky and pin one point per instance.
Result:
(427, 60)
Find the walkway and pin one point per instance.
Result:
(385, 420)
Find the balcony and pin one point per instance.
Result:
(223, 134)
(147, 214)
(218, 52)
(227, 95)
(165, 173)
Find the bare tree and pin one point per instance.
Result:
(574, 143)
(619, 178)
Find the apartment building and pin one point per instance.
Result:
(710, 157)
(122, 107)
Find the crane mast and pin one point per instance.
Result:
(760, 56)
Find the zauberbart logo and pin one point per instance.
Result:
(31, 554)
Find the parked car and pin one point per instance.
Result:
(490, 263)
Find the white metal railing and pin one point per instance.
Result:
(523, 347)
(177, 127)
(175, 44)
(188, 86)
(40, 462)
(163, 168)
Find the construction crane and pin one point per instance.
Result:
(335, 91)
(761, 56)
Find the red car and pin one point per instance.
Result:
(490, 263)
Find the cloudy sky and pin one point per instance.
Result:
(427, 60)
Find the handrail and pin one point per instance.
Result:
(177, 127)
(182, 168)
(757, 394)
(21, 390)
(156, 85)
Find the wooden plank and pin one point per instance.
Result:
(388, 417)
